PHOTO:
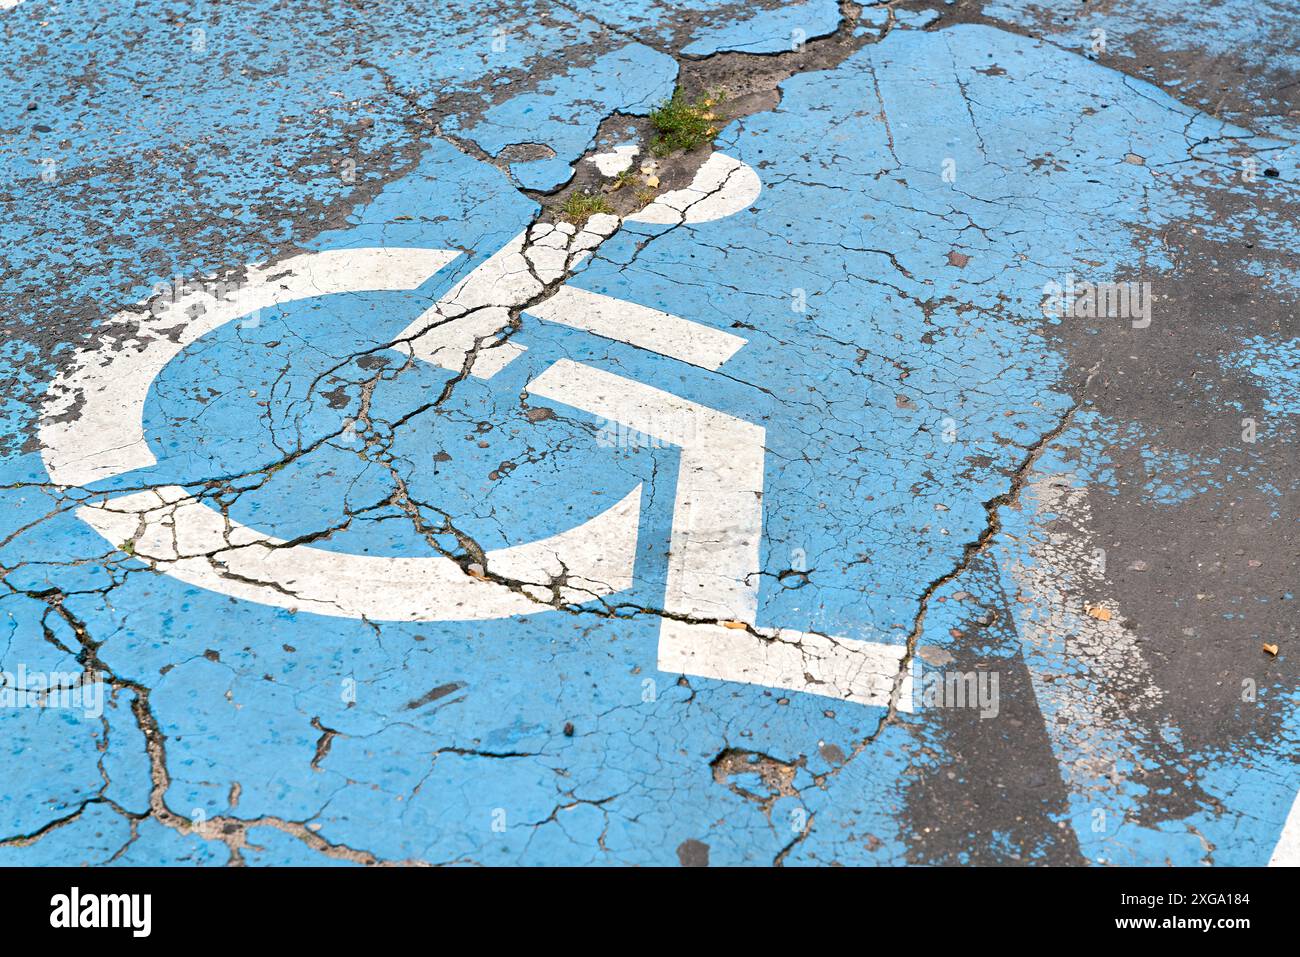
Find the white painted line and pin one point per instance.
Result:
(723, 186)
(1093, 686)
(713, 568)
(473, 311)
(449, 343)
(1287, 852)
(719, 512)
(476, 310)
(638, 325)
(844, 668)
(197, 544)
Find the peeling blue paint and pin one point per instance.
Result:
(1275, 365)
(564, 111)
(896, 355)
(768, 31)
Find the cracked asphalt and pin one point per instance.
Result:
(907, 475)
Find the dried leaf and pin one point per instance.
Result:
(1271, 649)
(1098, 612)
(734, 624)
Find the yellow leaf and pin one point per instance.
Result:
(1271, 649)
(1096, 611)
(735, 624)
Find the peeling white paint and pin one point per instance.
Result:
(100, 399)
(723, 186)
(193, 542)
(616, 160)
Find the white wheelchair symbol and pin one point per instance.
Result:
(93, 429)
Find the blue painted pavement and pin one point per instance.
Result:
(888, 285)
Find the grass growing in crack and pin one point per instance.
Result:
(581, 206)
(682, 125)
(636, 185)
